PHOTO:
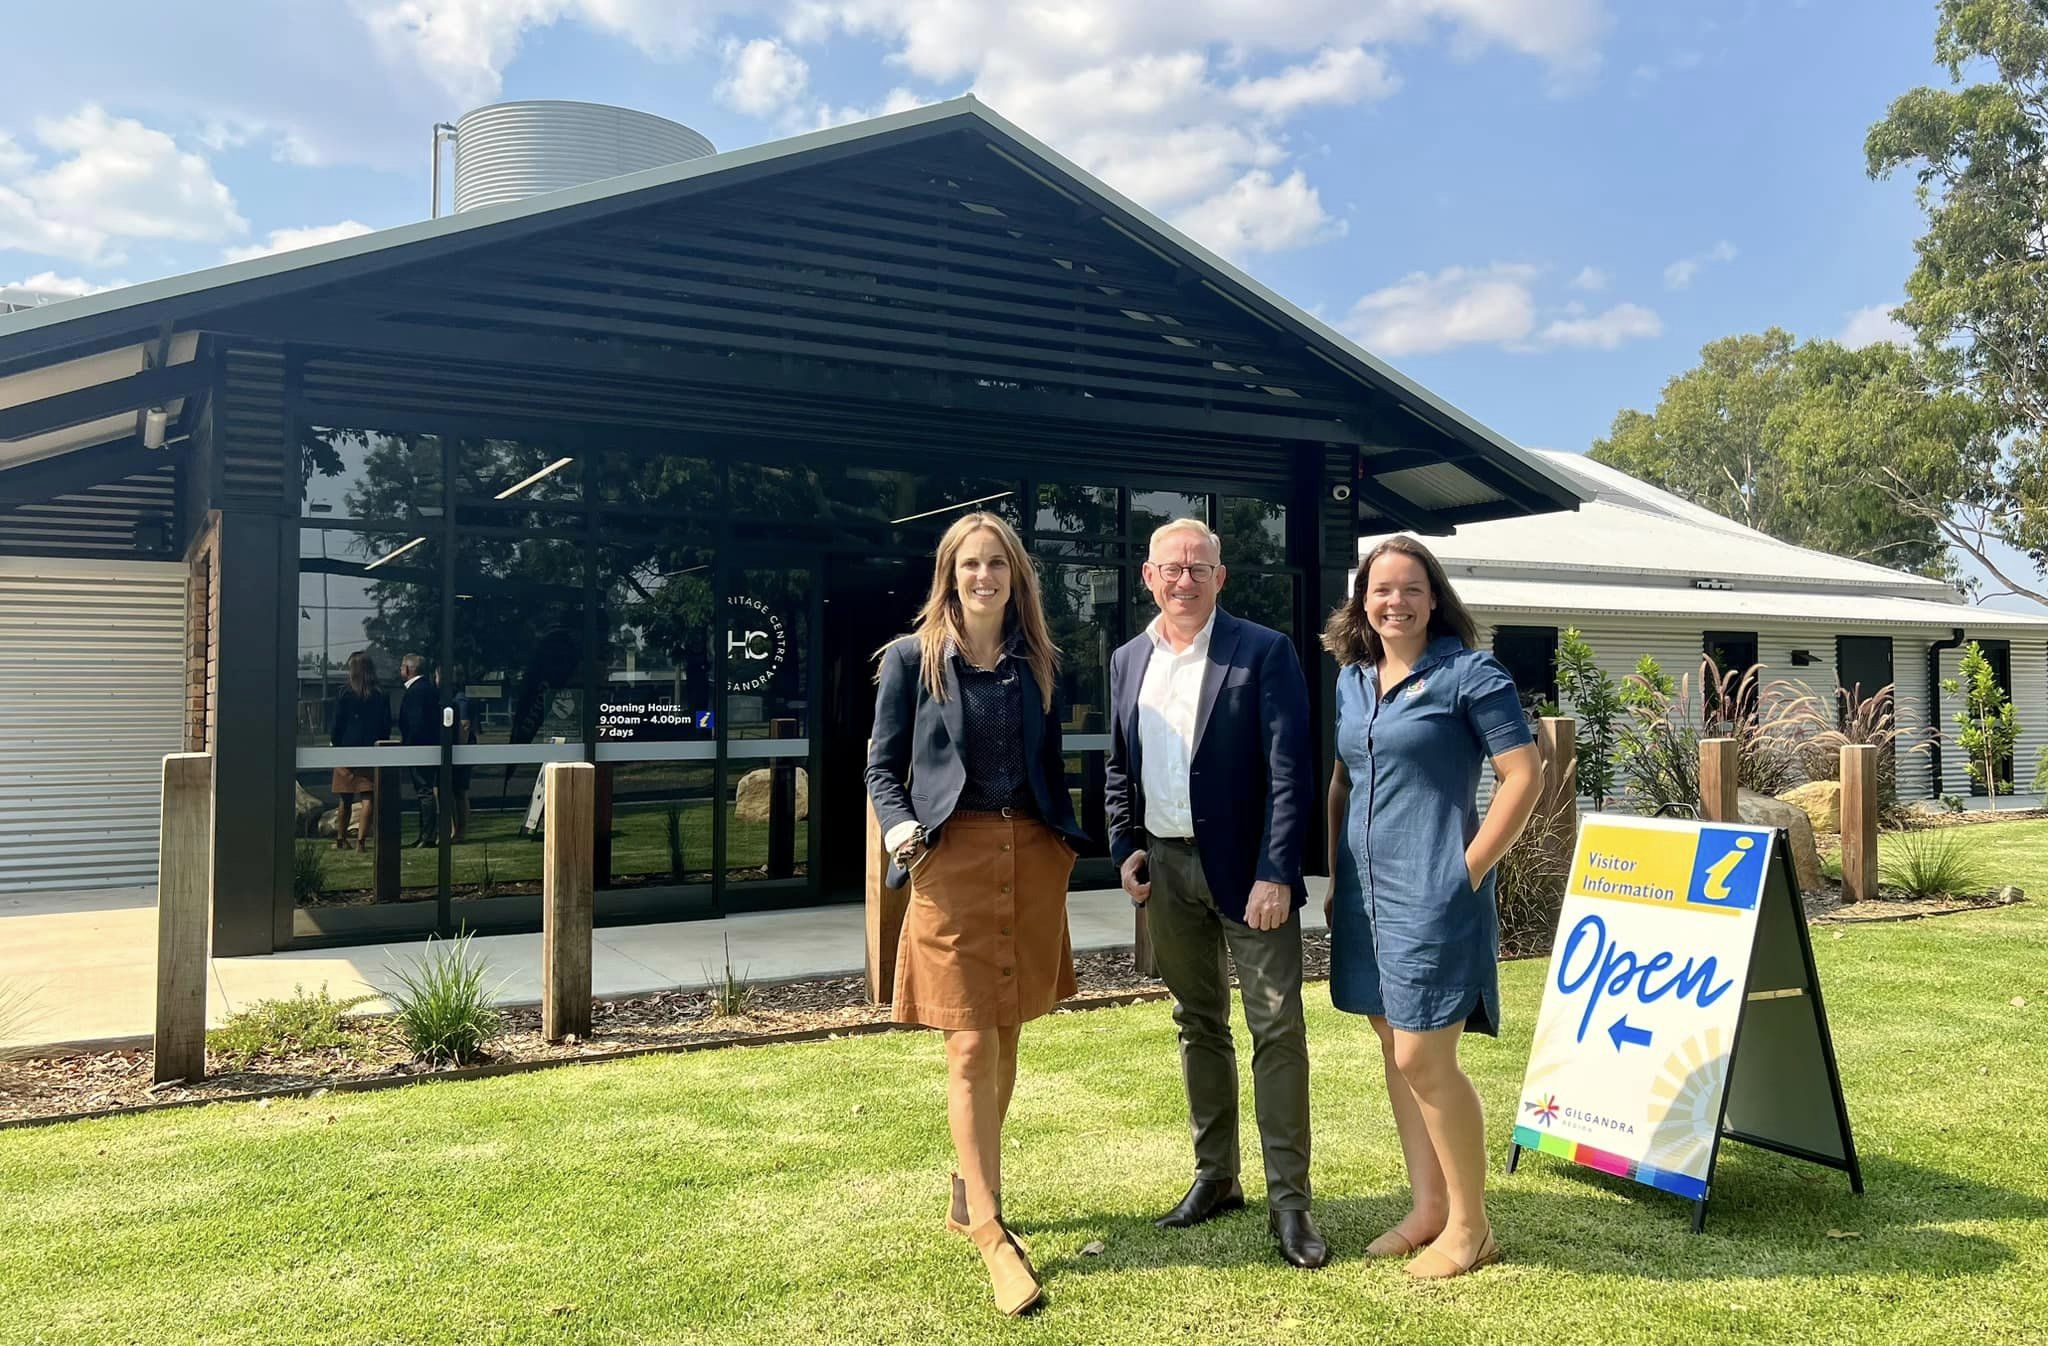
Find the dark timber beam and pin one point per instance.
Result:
(312, 326)
(63, 410)
(80, 470)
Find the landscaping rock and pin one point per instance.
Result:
(750, 800)
(306, 809)
(1764, 811)
(2012, 893)
(1820, 801)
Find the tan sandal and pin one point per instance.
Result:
(1435, 1266)
(1010, 1275)
(1393, 1243)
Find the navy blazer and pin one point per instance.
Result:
(419, 713)
(918, 738)
(1252, 776)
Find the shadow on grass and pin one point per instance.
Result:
(1770, 1217)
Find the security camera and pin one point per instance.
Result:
(1341, 492)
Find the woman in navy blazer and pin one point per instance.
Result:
(969, 785)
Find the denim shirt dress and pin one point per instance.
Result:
(1410, 939)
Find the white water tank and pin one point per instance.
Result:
(510, 151)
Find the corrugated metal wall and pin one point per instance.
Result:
(1619, 641)
(92, 664)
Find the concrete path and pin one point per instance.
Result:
(89, 959)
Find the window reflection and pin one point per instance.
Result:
(1149, 509)
(1254, 532)
(519, 637)
(657, 653)
(379, 593)
(1065, 508)
(368, 474)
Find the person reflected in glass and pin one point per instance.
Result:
(1414, 936)
(361, 718)
(969, 785)
(419, 726)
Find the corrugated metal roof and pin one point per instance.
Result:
(1631, 529)
(1822, 608)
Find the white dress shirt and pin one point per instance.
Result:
(1169, 701)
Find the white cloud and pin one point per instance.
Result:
(13, 158)
(1335, 76)
(465, 45)
(1604, 331)
(1872, 325)
(63, 287)
(1258, 214)
(1681, 273)
(1590, 278)
(114, 179)
(761, 77)
(289, 240)
(1458, 306)
(1185, 107)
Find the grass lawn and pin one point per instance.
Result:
(639, 848)
(793, 1195)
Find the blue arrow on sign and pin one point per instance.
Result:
(1622, 1033)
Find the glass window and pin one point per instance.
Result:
(657, 644)
(1081, 611)
(1149, 509)
(1065, 508)
(368, 474)
(1529, 653)
(518, 472)
(670, 484)
(519, 638)
(1266, 599)
(1254, 532)
(379, 593)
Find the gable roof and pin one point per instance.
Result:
(1633, 533)
(1468, 470)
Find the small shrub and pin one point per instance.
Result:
(1821, 730)
(483, 874)
(298, 1023)
(730, 991)
(1529, 883)
(1831, 867)
(1952, 803)
(674, 826)
(309, 871)
(444, 1012)
(17, 1012)
(1940, 862)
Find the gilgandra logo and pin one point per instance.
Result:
(755, 644)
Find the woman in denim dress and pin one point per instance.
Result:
(1414, 937)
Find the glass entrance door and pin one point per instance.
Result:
(767, 852)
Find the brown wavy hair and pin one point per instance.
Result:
(1350, 637)
(940, 621)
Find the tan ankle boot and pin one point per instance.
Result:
(1010, 1276)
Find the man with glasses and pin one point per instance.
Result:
(1210, 784)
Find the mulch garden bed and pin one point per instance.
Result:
(45, 1087)
(72, 1085)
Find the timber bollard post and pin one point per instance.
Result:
(1859, 822)
(1718, 781)
(567, 897)
(1557, 738)
(885, 909)
(184, 916)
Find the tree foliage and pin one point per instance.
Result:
(1987, 727)
(1978, 297)
(1596, 701)
(1797, 441)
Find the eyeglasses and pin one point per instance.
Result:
(1173, 570)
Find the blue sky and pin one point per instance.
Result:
(1539, 208)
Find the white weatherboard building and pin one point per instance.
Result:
(1639, 571)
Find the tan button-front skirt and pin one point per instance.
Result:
(985, 941)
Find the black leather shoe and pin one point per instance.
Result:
(1207, 1199)
(1300, 1242)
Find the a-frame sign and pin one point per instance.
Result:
(1681, 1009)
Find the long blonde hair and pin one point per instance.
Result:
(940, 622)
